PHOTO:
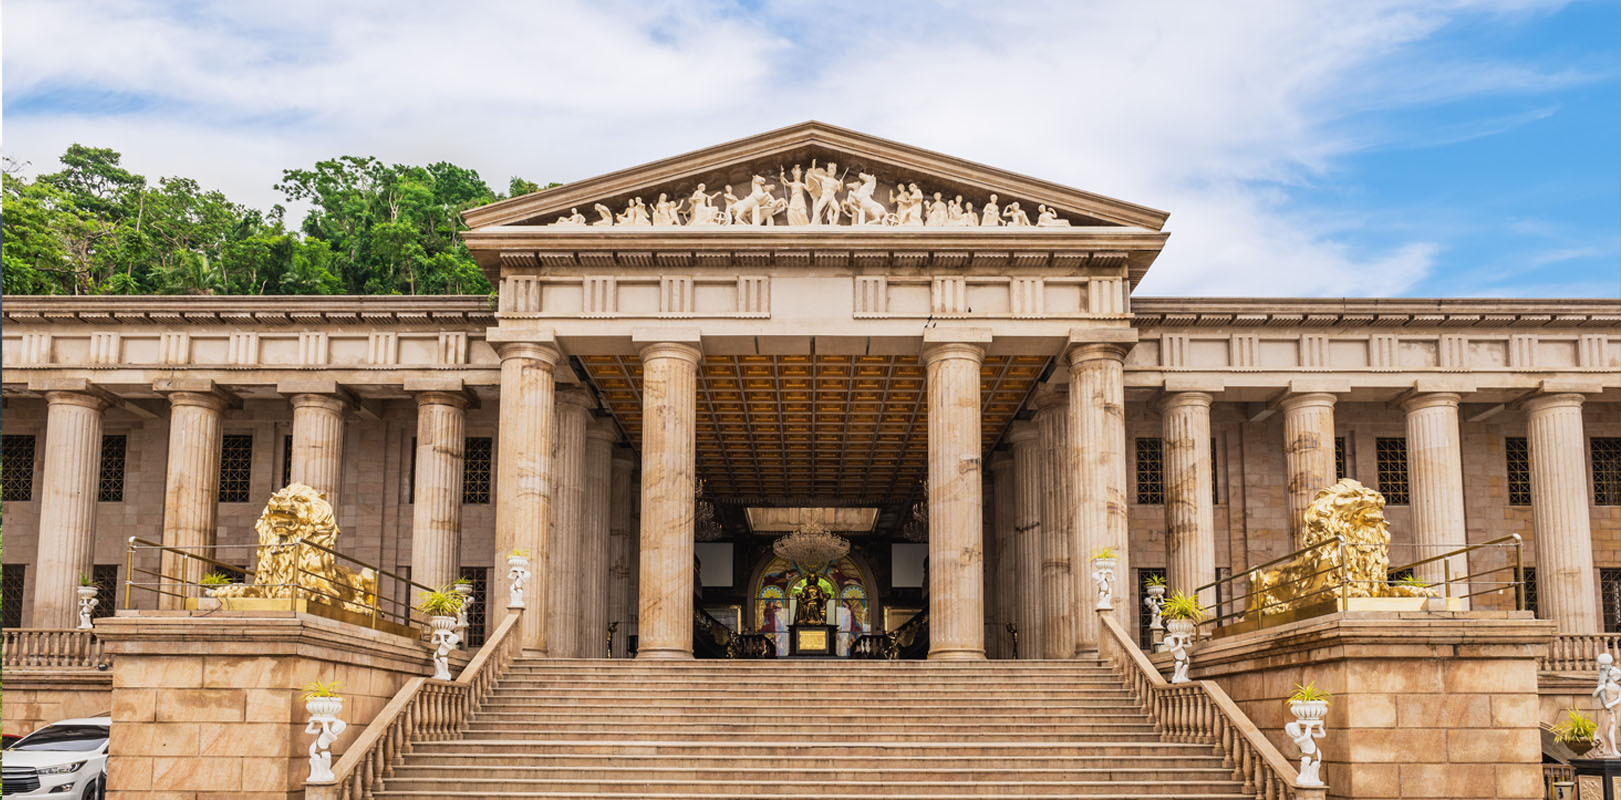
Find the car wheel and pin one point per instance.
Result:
(96, 790)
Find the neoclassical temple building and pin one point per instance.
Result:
(942, 362)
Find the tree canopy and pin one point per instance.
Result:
(94, 227)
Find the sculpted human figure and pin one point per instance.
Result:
(902, 203)
(812, 609)
(700, 211)
(824, 186)
(327, 729)
(1305, 733)
(1047, 217)
(968, 216)
(1178, 646)
(993, 214)
(954, 215)
(573, 217)
(664, 211)
(1016, 218)
(1609, 695)
(937, 212)
(606, 214)
(797, 214)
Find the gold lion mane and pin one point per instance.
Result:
(1346, 510)
(300, 513)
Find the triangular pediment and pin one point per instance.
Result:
(879, 183)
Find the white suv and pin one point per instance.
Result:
(66, 759)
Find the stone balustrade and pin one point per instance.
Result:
(423, 710)
(1578, 652)
(51, 647)
(1200, 712)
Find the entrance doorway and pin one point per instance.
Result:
(852, 609)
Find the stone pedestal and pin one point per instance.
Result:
(1097, 427)
(1433, 704)
(523, 464)
(1057, 562)
(564, 578)
(67, 508)
(207, 704)
(1190, 526)
(1308, 452)
(1560, 516)
(956, 546)
(191, 489)
(1597, 778)
(1029, 606)
(813, 640)
(669, 472)
(1435, 475)
(318, 443)
(437, 507)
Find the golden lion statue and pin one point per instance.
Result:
(300, 513)
(1346, 510)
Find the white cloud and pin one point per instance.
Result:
(1202, 109)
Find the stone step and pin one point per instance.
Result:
(749, 708)
(501, 787)
(959, 771)
(971, 689)
(635, 746)
(746, 734)
(821, 717)
(709, 759)
(1117, 793)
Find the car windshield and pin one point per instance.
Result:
(76, 738)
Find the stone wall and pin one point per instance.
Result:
(38, 696)
(209, 705)
(1424, 704)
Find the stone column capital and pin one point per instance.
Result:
(1050, 396)
(1097, 351)
(1550, 402)
(1419, 402)
(1001, 460)
(685, 351)
(935, 352)
(543, 352)
(623, 459)
(574, 396)
(602, 429)
(335, 403)
(1023, 431)
(441, 398)
(1175, 400)
(1308, 400)
(94, 401)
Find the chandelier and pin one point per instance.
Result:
(916, 528)
(811, 547)
(706, 523)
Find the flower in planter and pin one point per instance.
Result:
(1576, 732)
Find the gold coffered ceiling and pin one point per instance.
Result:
(823, 428)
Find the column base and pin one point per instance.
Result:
(661, 654)
(957, 654)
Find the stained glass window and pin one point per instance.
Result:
(776, 602)
(16, 468)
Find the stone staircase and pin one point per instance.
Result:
(798, 729)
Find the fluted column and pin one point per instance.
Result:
(1057, 575)
(318, 443)
(1435, 476)
(1308, 452)
(594, 541)
(67, 508)
(956, 546)
(565, 579)
(1008, 579)
(620, 536)
(669, 475)
(1190, 526)
(1560, 514)
(1097, 398)
(987, 491)
(523, 464)
(436, 520)
(1028, 540)
(191, 485)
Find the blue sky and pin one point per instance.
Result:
(1439, 148)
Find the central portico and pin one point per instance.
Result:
(815, 317)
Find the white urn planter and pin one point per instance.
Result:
(87, 606)
(1103, 578)
(326, 727)
(1181, 626)
(1305, 731)
(466, 592)
(518, 573)
(444, 639)
(324, 706)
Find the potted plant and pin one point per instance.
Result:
(1181, 613)
(519, 557)
(1576, 732)
(1155, 586)
(441, 606)
(213, 581)
(321, 699)
(464, 587)
(1308, 702)
(88, 587)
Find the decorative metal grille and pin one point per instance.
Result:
(1531, 591)
(411, 475)
(13, 579)
(476, 470)
(1606, 470)
(1609, 585)
(1392, 457)
(1340, 470)
(111, 489)
(1150, 471)
(1518, 455)
(286, 459)
(236, 468)
(480, 581)
(1215, 474)
(1144, 635)
(106, 578)
(16, 468)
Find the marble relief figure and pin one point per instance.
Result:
(830, 201)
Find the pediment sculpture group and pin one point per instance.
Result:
(813, 199)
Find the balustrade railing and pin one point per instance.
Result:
(423, 710)
(51, 647)
(1578, 652)
(1199, 712)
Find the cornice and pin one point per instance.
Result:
(279, 310)
(1194, 312)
